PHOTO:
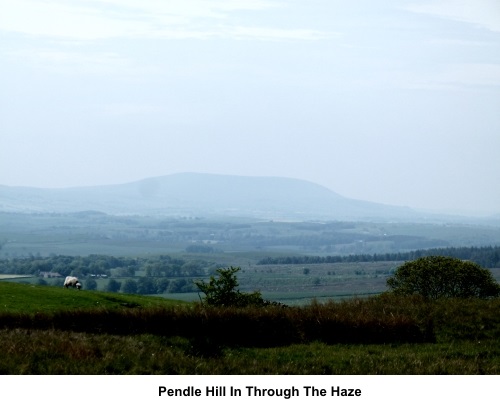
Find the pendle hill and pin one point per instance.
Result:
(194, 194)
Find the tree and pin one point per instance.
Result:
(146, 285)
(439, 276)
(176, 285)
(129, 286)
(223, 292)
(161, 285)
(41, 281)
(90, 285)
(113, 286)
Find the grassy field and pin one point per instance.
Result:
(290, 284)
(29, 299)
(65, 352)
(284, 283)
(93, 233)
(50, 330)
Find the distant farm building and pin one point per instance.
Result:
(49, 274)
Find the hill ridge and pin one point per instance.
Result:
(202, 194)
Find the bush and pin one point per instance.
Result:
(443, 277)
(223, 292)
(90, 285)
(129, 286)
(113, 286)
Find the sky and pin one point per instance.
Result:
(390, 101)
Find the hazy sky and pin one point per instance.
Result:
(393, 101)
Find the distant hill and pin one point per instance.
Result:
(193, 194)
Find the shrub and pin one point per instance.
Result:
(222, 291)
(90, 285)
(113, 286)
(443, 277)
(129, 286)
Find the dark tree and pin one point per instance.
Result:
(113, 286)
(222, 291)
(41, 281)
(146, 285)
(439, 276)
(129, 286)
(90, 285)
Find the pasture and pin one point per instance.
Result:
(335, 308)
(84, 233)
(51, 330)
(14, 277)
(28, 299)
(290, 284)
(64, 352)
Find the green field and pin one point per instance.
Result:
(284, 283)
(51, 330)
(28, 299)
(84, 233)
(338, 319)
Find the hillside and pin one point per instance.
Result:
(191, 194)
(381, 335)
(29, 299)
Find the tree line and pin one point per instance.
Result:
(104, 265)
(146, 285)
(488, 256)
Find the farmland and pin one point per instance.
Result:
(139, 311)
(173, 276)
(51, 330)
(201, 245)
(290, 284)
(90, 232)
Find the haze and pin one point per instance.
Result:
(396, 102)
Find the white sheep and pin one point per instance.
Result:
(72, 282)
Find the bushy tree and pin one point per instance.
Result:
(439, 277)
(129, 286)
(161, 285)
(113, 286)
(41, 281)
(146, 285)
(222, 291)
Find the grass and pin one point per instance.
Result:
(64, 352)
(51, 330)
(29, 299)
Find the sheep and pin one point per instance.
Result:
(72, 282)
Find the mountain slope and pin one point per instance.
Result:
(203, 194)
